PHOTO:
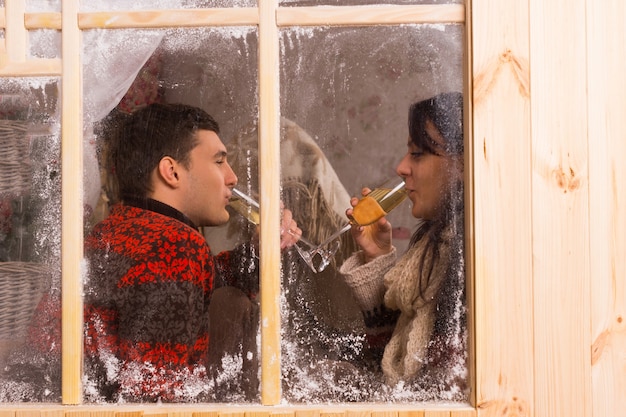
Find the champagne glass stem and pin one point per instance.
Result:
(306, 255)
(335, 235)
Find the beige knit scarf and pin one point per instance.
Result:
(406, 352)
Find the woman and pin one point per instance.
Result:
(414, 308)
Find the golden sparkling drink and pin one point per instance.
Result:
(377, 204)
(245, 208)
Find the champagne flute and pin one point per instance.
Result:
(248, 207)
(370, 208)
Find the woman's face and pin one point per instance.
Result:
(428, 176)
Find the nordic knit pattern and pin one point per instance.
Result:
(151, 276)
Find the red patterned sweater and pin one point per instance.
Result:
(150, 280)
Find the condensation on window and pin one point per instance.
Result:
(30, 240)
(44, 43)
(36, 6)
(344, 99)
(345, 94)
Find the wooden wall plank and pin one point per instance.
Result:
(560, 208)
(606, 66)
(503, 286)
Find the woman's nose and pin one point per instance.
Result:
(402, 168)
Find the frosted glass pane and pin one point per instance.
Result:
(345, 95)
(125, 71)
(34, 6)
(30, 236)
(44, 43)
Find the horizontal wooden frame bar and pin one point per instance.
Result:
(49, 20)
(30, 68)
(168, 18)
(368, 15)
(225, 410)
(148, 19)
(285, 16)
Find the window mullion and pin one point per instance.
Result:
(269, 180)
(71, 202)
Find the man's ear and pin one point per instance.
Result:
(168, 171)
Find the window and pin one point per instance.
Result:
(344, 87)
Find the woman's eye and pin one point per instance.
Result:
(416, 155)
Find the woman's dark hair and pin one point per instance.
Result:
(140, 140)
(445, 111)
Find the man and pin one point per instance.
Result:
(151, 272)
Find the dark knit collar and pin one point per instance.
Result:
(158, 207)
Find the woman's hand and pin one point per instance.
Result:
(375, 239)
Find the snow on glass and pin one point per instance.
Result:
(347, 90)
(30, 223)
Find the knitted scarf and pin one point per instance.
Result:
(407, 352)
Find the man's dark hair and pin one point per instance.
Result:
(147, 135)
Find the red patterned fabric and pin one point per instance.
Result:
(151, 277)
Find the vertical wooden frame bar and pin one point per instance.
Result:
(469, 251)
(15, 32)
(269, 166)
(71, 203)
(503, 287)
(606, 66)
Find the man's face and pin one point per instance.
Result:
(209, 180)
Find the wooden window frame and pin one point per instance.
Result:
(269, 18)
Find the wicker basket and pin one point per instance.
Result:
(15, 166)
(22, 285)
